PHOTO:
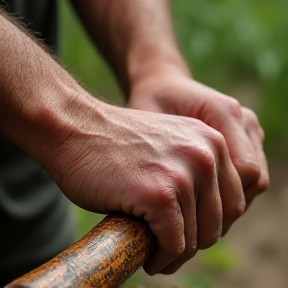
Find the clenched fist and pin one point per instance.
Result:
(171, 90)
(173, 171)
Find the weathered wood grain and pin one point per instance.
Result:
(105, 257)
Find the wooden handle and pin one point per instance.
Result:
(105, 257)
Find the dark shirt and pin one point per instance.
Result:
(35, 220)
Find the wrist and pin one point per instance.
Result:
(154, 65)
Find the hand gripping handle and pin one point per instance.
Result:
(105, 257)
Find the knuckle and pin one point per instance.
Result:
(250, 116)
(218, 140)
(252, 120)
(206, 159)
(261, 133)
(159, 191)
(264, 184)
(248, 170)
(236, 210)
(162, 196)
(253, 169)
(261, 186)
(233, 107)
(183, 181)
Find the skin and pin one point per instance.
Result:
(138, 41)
(176, 172)
(155, 78)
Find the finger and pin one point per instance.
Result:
(208, 217)
(232, 196)
(168, 228)
(229, 122)
(230, 186)
(256, 136)
(209, 206)
(261, 184)
(187, 203)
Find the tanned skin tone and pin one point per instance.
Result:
(182, 176)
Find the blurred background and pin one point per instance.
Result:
(241, 49)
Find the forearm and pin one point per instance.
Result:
(135, 36)
(39, 100)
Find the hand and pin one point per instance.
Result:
(173, 92)
(175, 172)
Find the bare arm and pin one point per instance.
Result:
(104, 158)
(138, 40)
(132, 35)
(31, 84)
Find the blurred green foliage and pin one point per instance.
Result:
(197, 280)
(231, 43)
(80, 57)
(228, 44)
(218, 259)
